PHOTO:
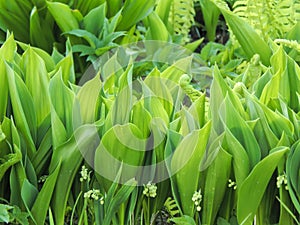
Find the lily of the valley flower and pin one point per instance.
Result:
(197, 198)
(150, 190)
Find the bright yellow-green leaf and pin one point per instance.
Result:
(89, 97)
(63, 16)
(37, 82)
(185, 165)
(252, 190)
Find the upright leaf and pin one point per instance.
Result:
(253, 188)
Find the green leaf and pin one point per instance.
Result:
(219, 90)
(37, 82)
(70, 155)
(29, 193)
(122, 106)
(7, 53)
(241, 164)
(121, 196)
(252, 190)
(215, 186)
(62, 101)
(120, 144)
(184, 220)
(48, 60)
(185, 163)
(249, 40)
(41, 204)
(133, 11)
(63, 15)
(66, 65)
(241, 130)
(141, 118)
(38, 28)
(97, 14)
(89, 99)
(23, 108)
(157, 29)
(292, 170)
(262, 130)
(211, 17)
(156, 83)
(86, 35)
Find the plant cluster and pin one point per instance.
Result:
(108, 115)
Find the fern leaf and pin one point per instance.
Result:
(171, 207)
(270, 18)
(181, 18)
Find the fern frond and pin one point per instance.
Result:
(185, 84)
(181, 18)
(171, 207)
(270, 18)
(288, 43)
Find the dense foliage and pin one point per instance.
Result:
(120, 112)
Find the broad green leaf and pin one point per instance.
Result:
(89, 97)
(262, 130)
(59, 133)
(160, 90)
(241, 130)
(8, 49)
(211, 15)
(173, 73)
(48, 60)
(7, 52)
(38, 28)
(62, 101)
(185, 163)
(154, 105)
(85, 6)
(16, 21)
(18, 173)
(163, 10)
(157, 29)
(122, 105)
(41, 158)
(133, 11)
(121, 196)
(86, 35)
(120, 144)
(29, 193)
(261, 82)
(217, 176)
(97, 14)
(188, 123)
(40, 207)
(184, 220)
(63, 15)
(3, 90)
(249, 40)
(219, 90)
(37, 82)
(253, 188)
(23, 108)
(70, 155)
(197, 110)
(292, 170)
(66, 65)
(141, 118)
(241, 164)
(113, 6)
